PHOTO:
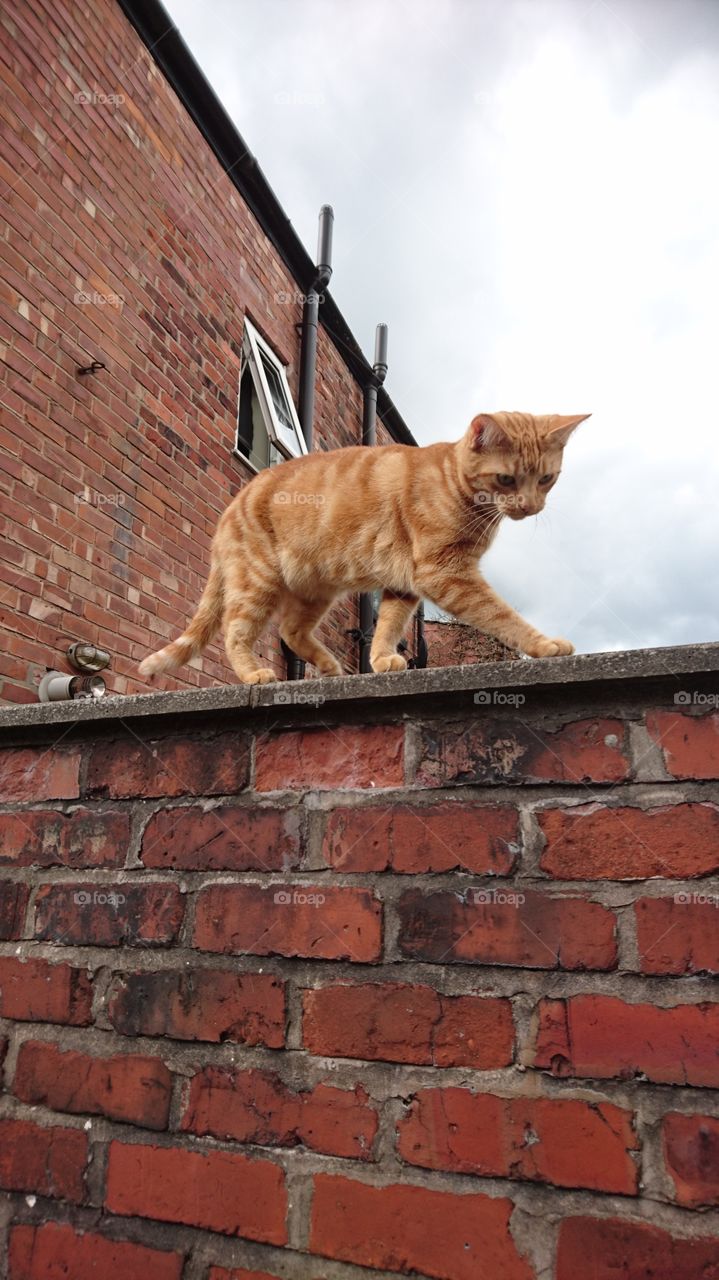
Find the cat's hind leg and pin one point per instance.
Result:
(395, 612)
(298, 619)
(249, 605)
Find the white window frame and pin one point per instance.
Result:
(254, 348)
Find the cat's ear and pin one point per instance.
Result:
(485, 432)
(560, 428)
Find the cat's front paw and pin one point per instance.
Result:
(388, 662)
(542, 647)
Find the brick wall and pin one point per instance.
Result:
(124, 242)
(452, 643)
(387, 982)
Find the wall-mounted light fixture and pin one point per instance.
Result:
(87, 657)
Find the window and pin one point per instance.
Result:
(268, 429)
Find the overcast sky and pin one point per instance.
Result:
(527, 193)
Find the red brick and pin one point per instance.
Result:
(50, 1162)
(55, 1251)
(345, 925)
(679, 934)
(690, 744)
(13, 903)
(48, 838)
(602, 1036)
(622, 1250)
(39, 773)
(513, 751)
(170, 766)
(565, 1142)
(200, 1004)
(213, 1190)
(396, 1022)
(691, 1151)
(149, 916)
(350, 756)
(507, 926)
(36, 991)
(593, 843)
(256, 1106)
(441, 1234)
(124, 1087)
(223, 839)
(440, 837)
(221, 1273)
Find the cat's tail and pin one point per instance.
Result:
(197, 635)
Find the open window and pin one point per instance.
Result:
(268, 429)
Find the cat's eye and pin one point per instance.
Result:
(506, 481)
(546, 479)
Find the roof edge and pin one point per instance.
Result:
(163, 41)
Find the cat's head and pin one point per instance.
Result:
(510, 461)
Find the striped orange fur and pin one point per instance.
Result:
(412, 522)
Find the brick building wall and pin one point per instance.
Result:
(452, 643)
(397, 980)
(124, 242)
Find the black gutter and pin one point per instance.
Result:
(163, 40)
(369, 438)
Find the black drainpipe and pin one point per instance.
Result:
(369, 437)
(308, 366)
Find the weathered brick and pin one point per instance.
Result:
(622, 1250)
(48, 838)
(213, 1190)
(349, 756)
(507, 926)
(32, 774)
(13, 903)
(55, 1251)
(37, 991)
(233, 839)
(513, 751)
(147, 915)
(396, 1022)
(440, 837)
(319, 922)
(200, 1004)
(124, 1087)
(439, 1233)
(602, 1036)
(256, 1106)
(170, 766)
(691, 1151)
(565, 1142)
(594, 843)
(690, 744)
(221, 1273)
(679, 934)
(48, 1161)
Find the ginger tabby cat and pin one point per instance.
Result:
(411, 521)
